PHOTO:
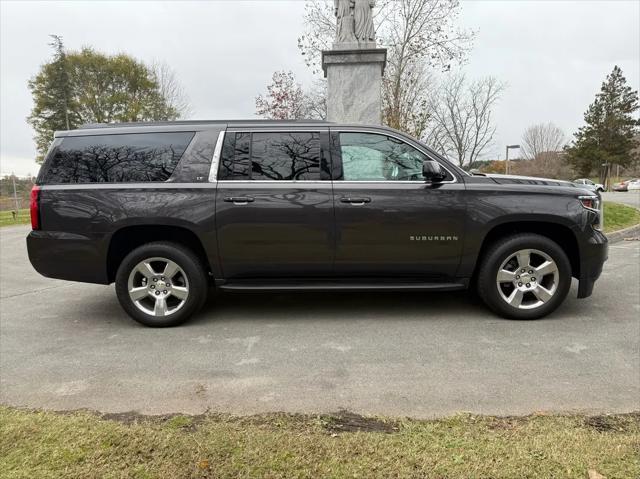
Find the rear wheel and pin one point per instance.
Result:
(161, 284)
(525, 276)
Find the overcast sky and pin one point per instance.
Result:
(553, 55)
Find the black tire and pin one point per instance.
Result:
(192, 276)
(499, 252)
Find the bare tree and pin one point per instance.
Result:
(287, 100)
(171, 89)
(542, 138)
(462, 126)
(316, 100)
(284, 100)
(417, 33)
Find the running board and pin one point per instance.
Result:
(340, 286)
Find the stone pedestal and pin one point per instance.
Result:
(354, 77)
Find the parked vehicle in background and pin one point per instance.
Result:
(633, 185)
(167, 210)
(623, 185)
(587, 183)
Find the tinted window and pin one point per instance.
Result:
(271, 156)
(140, 157)
(372, 157)
(235, 159)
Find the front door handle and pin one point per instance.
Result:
(239, 200)
(355, 201)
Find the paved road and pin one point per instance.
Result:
(67, 346)
(631, 198)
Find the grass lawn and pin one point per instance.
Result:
(617, 216)
(6, 218)
(80, 445)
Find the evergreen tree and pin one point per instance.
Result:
(610, 134)
(90, 87)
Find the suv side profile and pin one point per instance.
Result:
(168, 210)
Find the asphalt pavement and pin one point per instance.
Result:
(69, 345)
(631, 198)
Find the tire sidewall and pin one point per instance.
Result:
(488, 288)
(189, 264)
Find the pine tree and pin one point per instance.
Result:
(610, 134)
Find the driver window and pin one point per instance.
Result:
(373, 157)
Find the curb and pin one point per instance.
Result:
(621, 235)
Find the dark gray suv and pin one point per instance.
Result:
(168, 210)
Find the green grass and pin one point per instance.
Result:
(617, 216)
(6, 218)
(84, 445)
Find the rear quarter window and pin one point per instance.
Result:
(128, 158)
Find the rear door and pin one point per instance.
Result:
(389, 221)
(274, 204)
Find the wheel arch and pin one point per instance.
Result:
(127, 238)
(557, 232)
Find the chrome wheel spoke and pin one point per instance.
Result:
(160, 308)
(145, 269)
(170, 269)
(542, 293)
(136, 294)
(548, 267)
(505, 276)
(524, 258)
(515, 299)
(179, 292)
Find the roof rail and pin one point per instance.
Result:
(89, 126)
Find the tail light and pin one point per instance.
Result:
(35, 207)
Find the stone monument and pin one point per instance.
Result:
(354, 66)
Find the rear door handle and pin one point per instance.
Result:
(239, 200)
(355, 201)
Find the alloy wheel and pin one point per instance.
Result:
(158, 287)
(527, 279)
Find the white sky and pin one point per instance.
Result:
(552, 54)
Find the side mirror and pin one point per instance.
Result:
(432, 171)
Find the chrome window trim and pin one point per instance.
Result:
(162, 185)
(215, 161)
(388, 182)
(280, 182)
(280, 130)
(403, 140)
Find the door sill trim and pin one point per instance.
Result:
(339, 286)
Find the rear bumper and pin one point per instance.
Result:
(68, 256)
(594, 253)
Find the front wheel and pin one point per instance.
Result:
(161, 284)
(526, 276)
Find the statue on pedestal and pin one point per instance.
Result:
(363, 16)
(354, 21)
(345, 31)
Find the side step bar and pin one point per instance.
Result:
(338, 286)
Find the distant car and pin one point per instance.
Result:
(623, 185)
(633, 185)
(589, 184)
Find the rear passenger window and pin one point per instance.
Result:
(139, 157)
(271, 156)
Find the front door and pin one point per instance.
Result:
(274, 205)
(389, 221)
